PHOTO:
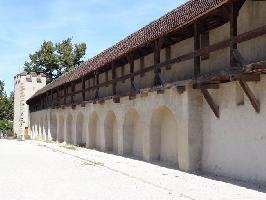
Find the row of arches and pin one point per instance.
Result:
(106, 135)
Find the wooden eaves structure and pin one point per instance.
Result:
(192, 19)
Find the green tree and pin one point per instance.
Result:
(11, 97)
(6, 109)
(2, 88)
(6, 126)
(55, 59)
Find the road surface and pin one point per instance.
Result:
(31, 170)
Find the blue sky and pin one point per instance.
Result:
(25, 24)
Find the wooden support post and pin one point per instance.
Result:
(52, 98)
(83, 89)
(253, 100)
(133, 89)
(96, 96)
(168, 56)
(41, 102)
(114, 78)
(196, 47)
(57, 97)
(72, 92)
(233, 33)
(65, 94)
(116, 99)
(46, 100)
(158, 79)
(211, 102)
(142, 65)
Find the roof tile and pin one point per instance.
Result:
(166, 24)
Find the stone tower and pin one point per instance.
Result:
(25, 85)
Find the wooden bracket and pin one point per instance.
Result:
(253, 100)
(255, 77)
(132, 97)
(116, 99)
(101, 101)
(160, 91)
(210, 101)
(181, 89)
(206, 86)
(238, 58)
(73, 106)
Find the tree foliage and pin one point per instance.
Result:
(55, 59)
(6, 109)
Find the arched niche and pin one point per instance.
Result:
(164, 136)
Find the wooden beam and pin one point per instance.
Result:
(46, 101)
(101, 101)
(83, 88)
(142, 65)
(206, 86)
(57, 96)
(233, 32)
(253, 100)
(133, 88)
(72, 92)
(255, 77)
(52, 98)
(181, 89)
(210, 101)
(158, 79)
(168, 56)
(96, 96)
(116, 99)
(65, 94)
(114, 78)
(238, 58)
(196, 48)
(251, 34)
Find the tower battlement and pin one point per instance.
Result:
(25, 85)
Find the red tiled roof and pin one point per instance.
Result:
(164, 25)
